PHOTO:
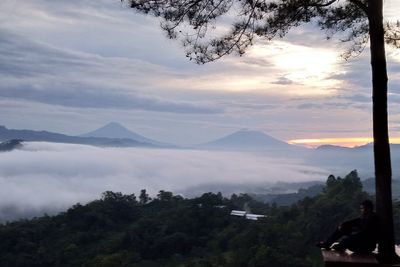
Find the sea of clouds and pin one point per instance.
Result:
(48, 177)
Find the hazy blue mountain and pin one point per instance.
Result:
(248, 140)
(30, 135)
(116, 130)
(369, 187)
(337, 158)
(10, 145)
(366, 147)
(359, 157)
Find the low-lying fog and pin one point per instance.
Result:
(48, 177)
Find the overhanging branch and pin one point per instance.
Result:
(361, 5)
(322, 5)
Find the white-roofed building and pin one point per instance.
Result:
(248, 216)
(254, 217)
(240, 213)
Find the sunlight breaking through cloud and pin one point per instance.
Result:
(309, 66)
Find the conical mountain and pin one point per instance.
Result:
(247, 140)
(116, 130)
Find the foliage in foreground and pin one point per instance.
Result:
(118, 230)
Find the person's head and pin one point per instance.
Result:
(366, 207)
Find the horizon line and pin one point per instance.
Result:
(341, 141)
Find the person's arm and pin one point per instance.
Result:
(351, 223)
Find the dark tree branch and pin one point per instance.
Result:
(322, 5)
(361, 5)
(238, 39)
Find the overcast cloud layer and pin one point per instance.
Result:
(51, 177)
(72, 66)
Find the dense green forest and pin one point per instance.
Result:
(169, 230)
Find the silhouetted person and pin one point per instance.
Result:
(359, 235)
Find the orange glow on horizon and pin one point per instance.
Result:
(346, 141)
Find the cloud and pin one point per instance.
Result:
(40, 73)
(83, 97)
(363, 98)
(283, 81)
(310, 106)
(47, 176)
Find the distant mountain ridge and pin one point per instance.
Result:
(116, 130)
(332, 147)
(30, 135)
(365, 147)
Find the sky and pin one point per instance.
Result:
(71, 66)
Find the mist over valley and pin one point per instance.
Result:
(48, 177)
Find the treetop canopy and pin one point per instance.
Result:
(193, 21)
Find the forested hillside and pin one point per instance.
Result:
(122, 230)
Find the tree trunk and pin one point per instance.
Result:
(383, 170)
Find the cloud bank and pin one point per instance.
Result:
(51, 177)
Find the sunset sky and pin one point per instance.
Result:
(71, 66)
